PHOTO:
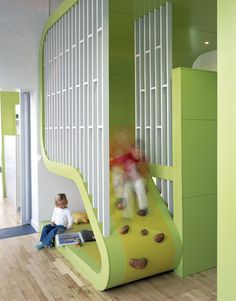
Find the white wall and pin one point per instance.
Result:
(206, 61)
(21, 24)
(53, 4)
(51, 188)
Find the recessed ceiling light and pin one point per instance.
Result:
(206, 42)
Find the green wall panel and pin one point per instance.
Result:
(121, 71)
(8, 101)
(199, 226)
(198, 157)
(122, 108)
(8, 118)
(226, 288)
(121, 39)
(200, 104)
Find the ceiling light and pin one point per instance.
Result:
(206, 42)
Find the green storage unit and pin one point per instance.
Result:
(194, 160)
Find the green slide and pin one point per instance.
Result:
(150, 246)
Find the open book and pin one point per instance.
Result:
(76, 238)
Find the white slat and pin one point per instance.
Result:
(76, 97)
(153, 64)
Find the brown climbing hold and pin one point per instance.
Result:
(124, 229)
(144, 232)
(138, 263)
(159, 237)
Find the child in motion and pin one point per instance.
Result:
(62, 219)
(128, 177)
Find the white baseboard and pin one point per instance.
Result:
(35, 225)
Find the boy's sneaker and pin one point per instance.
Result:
(39, 245)
(142, 212)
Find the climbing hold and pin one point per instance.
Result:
(124, 229)
(144, 232)
(159, 237)
(138, 263)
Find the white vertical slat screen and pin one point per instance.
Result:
(153, 64)
(76, 97)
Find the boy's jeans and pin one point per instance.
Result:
(49, 232)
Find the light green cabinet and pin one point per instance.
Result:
(195, 166)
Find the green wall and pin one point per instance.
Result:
(121, 70)
(8, 101)
(226, 150)
(194, 160)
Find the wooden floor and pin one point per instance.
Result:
(27, 274)
(9, 217)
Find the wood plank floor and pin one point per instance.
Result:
(27, 274)
(9, 217)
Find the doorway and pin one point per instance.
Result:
(15, 176)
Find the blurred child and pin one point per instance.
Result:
(62, 219)
(128, 176)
